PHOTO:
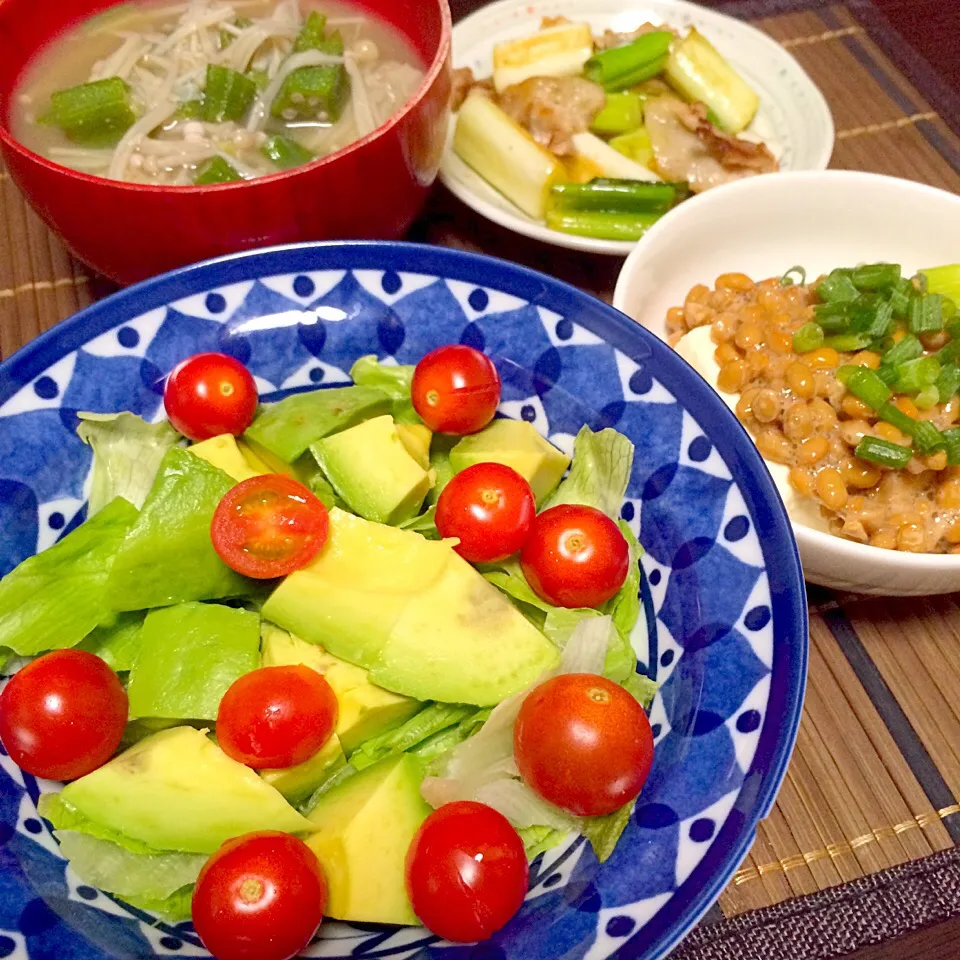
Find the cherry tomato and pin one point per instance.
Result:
(490, 508)
(209, 394)
(259, 897)
(575, 556)
(269, 526)
(276, 717)
(467, 871)
(456, 390)
(63, 715)
(583, 744)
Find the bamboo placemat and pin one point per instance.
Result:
(870, 798)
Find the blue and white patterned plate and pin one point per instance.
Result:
(726, 627)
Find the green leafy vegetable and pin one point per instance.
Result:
(63, 816)
(176, 908)
(116, 642)
(604, 832)
(189, 656)
(127, 452)
(394, 381)
(537, 840)
(432, 719)
(440, 464)
(641, 688)
(107, 865)
(168, 557)
(425, 524)
(286, 429)
(54, 599)
(600, 472)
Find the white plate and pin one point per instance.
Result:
(762, 227)
(793, 119)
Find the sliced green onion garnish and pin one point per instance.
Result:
(849, 342)
(926, 314)
(909, 348)
(948, 383)
(864, 384)
(951, 440)
(894, 415)
(834, 317)
(875, 276)
(948, 308)
(883, 452)
(926, 437)
(880, 321)
(837, 287)
(808, 337)
(900, 302)
(787, 279)
(927, 398)
(914, 375)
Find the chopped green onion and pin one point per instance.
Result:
(926, 314)
(927, 398)
(602, 224)
(312, 33)
(886, 453)
(93, 114)
(909, 348)
(879, 320)
(902, 421)
(787, 280)
(807, 338)
(948, 308)
(837, 287)
(622, 67)
(227, 94)
(864, 384)
(849, 342)
(948, 383)
(951, 440)
(900, 303)
(926, 437)
(286, 153)
(875, 276)
(623, 113)
(215, 170)
(614, 196)
(914, 375)
(845, 371)
(834, 317)
(944, 280)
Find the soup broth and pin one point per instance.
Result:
(211, 91)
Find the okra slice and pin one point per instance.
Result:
(227, 94)
(215, 170)
(285, 153)
(95, 114)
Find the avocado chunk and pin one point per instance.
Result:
(516, 444)
(189, 656)
(167, 557)
(416, 438)
(413, 613)
(364, 828)
(177, 790)
(287, 428)
(224, 453)
(365, 710)
(462, 641)
(297, 783)
(54, 599)
(371, 469)
(351, 595)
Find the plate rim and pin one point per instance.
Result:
(776, 743)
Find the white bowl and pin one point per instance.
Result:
(764, 226)
(793, 118)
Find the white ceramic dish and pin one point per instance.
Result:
(764, 226)
(793, 118)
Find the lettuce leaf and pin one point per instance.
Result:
(174, 909)
(54, 599)
(625, 606)
(537, 840)
(641, 688)
(116, 642)
(394, 381)
(286, 429)
(126, 455)
(432, 719)
(168, 556)
(107, 865)
(425, 524)
(604, 832)
(599, 473)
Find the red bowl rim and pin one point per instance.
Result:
(434, 71)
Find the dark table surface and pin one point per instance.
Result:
(932, 28)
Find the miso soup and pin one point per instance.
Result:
(212, 91)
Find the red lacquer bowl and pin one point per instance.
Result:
(371, 190)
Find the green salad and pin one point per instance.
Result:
(343, 617)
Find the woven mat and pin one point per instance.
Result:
(850, 853)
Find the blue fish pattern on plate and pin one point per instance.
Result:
(724, 630)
